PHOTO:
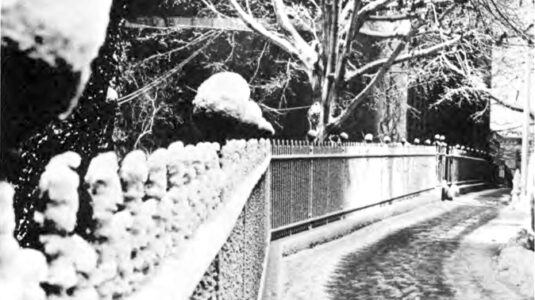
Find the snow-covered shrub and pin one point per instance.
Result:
(226, 96)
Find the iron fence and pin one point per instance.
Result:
(466, 169)
(312, 183)
(462, 167)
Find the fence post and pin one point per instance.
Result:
(311, 187)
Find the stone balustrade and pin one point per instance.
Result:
(159, 221)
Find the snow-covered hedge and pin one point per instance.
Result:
(145, 209)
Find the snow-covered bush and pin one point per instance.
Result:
(226, 95)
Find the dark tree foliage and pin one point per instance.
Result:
(450, 94)
(455, 119)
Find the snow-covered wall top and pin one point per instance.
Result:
(148, 210)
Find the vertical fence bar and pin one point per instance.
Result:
(311, 188)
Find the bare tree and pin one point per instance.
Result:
(323, 36)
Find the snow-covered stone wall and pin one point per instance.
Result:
(159, 221)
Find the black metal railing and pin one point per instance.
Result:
(315, 183)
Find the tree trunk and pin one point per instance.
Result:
(316, 111)
(323, 96)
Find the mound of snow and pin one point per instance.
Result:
(71, 30)
(228, 94)
(65, 34)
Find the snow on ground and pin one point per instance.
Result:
(472, 271)
(305, 273)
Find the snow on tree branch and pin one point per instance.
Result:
(307, 56)
(286, 24)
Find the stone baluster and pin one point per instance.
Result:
(113, 241)
(71, 259)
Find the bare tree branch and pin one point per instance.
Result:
(353, 28)
(506, 20)
(393, 18)
(258, 62)
(372, 7)
(355, 102)
(357, 14)
(212, 8)
(202, 38)
(412, 55)
(510, 106)
(307, 57)
(382, 35)
(166, 75)
(147, 124)
(286, 24)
